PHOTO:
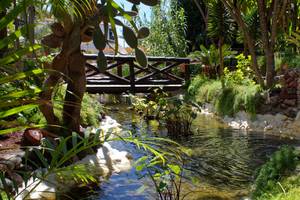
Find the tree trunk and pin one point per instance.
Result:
(221, 70)
(75, 72)
(237, 15)
(3, 34)
(269, 55)
(75, 91)
(31, 17)
(17, 42)
(204, 16)
(270, 68)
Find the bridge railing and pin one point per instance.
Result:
(123, 74)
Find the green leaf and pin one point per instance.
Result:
(150, 2)
(141, 57)
(175, 168)
(130, 37)
(140, 167)
(12, 15)
(11, 130)
(21, 75)
(113, 24)
(124, 14)
(13, 57)
(4, 5)
(141, 160)
(99, 39)
(162, 186)
(41, 158)
(20, 94)
(16, 110)
(143, 33)
(12, 37)
(101, 61)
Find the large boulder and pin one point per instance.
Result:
(106, 161)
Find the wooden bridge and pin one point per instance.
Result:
(123, 75)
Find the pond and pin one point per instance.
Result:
(223, 160)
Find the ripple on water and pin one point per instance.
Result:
(224, 160)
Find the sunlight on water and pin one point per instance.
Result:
(224, 160)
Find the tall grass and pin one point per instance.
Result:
(227, 100)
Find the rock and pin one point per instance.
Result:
(242, 115)
(280, 117)
(3, 168)
(9, 184)
(290, 112)
(274, 100)
(293, 84)
(268, 128)
(11, 160)
(16, 178)
(33, 136)
(106, 161)
(283, 105)
(290, 102)
(297, 119)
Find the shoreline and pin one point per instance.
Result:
(278, 124)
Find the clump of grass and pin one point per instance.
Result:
(227, 100)
(235, 98)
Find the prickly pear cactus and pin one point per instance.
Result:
(109, 12)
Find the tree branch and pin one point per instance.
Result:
(201, 12)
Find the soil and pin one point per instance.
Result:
(10, 142)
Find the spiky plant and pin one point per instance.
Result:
(220, 27)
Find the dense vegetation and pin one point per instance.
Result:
(238, 50)
(277, 178)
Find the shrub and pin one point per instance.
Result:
(203, 89)
(90, 110)
(281, 163)
(195, 84)
(179, 116)
(229, 99)
(90, 107)
(243, 74)
(236, 98)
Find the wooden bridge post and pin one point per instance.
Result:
(187, 74)
(120, 71)
(132, 77)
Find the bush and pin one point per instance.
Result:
(90, 107)
(228, 100)
(286, 189)
(242, 75)
(202, 89)
(236, 98)
(281, 164)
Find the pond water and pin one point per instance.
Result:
(223, 160)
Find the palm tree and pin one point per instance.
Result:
(220, 27)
